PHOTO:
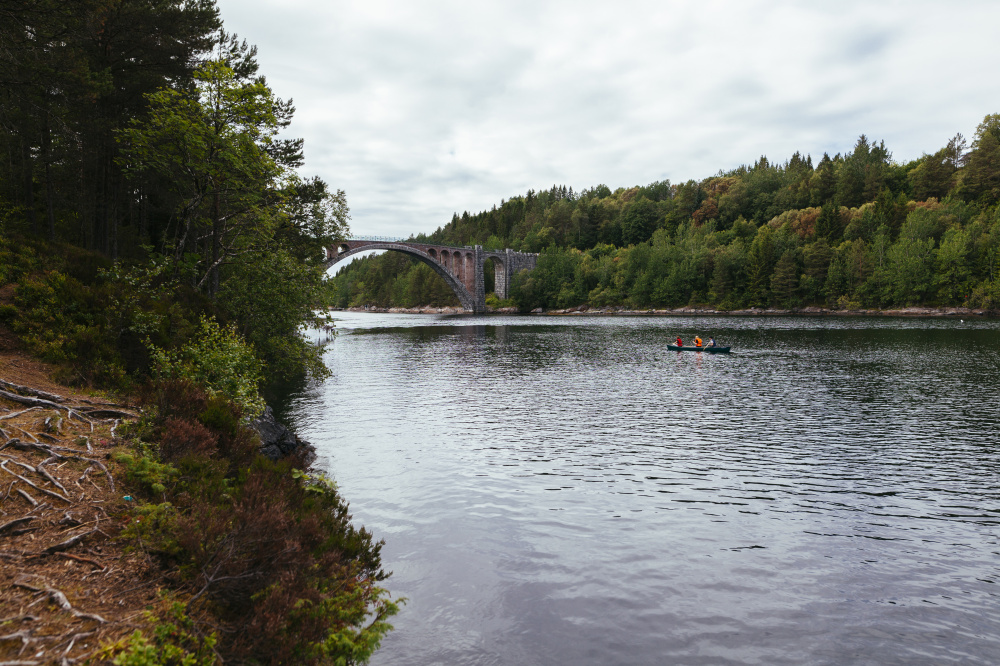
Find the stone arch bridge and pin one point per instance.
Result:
(461, 267)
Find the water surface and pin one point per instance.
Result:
(567, 490)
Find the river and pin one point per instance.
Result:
(566, 490)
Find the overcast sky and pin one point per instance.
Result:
(418, 109)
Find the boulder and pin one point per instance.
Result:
(276, 440)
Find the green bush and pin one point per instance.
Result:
(219, 359)
(267, 550)
(175, 643)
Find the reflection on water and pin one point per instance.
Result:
(570, 491)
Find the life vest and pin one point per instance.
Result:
(697, 342)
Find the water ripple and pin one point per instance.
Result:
(570, 491)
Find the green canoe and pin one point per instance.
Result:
(710, 350)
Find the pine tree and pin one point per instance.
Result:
(785, 280)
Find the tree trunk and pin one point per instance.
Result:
(49, 188)
(216, 246)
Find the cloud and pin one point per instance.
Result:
(419, 110)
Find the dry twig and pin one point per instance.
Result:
(89, 561)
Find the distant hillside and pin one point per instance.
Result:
(854, 229)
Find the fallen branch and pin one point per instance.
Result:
(89, 561)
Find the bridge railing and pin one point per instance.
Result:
(392, 239)
(377, 239)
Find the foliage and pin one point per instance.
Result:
(855, 230)
(267, 549)
(218, 359)
(176, 642)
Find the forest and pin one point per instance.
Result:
(143, 133)
(160, 252)
(856, 230)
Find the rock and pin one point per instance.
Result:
(276, 440)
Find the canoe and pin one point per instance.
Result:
(710, 350)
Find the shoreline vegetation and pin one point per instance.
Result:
(696, 311)
(159, 252)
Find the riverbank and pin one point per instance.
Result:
(953, 312)
(166, 524)
(73, 584)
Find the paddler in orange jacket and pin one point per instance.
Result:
(697, 341)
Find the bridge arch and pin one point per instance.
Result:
(465, 297)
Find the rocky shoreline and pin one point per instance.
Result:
(276, 439)
(704, 311)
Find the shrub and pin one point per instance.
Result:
(175, 643)
(268, 550)
(220, 360)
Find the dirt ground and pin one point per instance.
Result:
(68, 588)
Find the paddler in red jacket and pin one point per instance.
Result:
(680, 343)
